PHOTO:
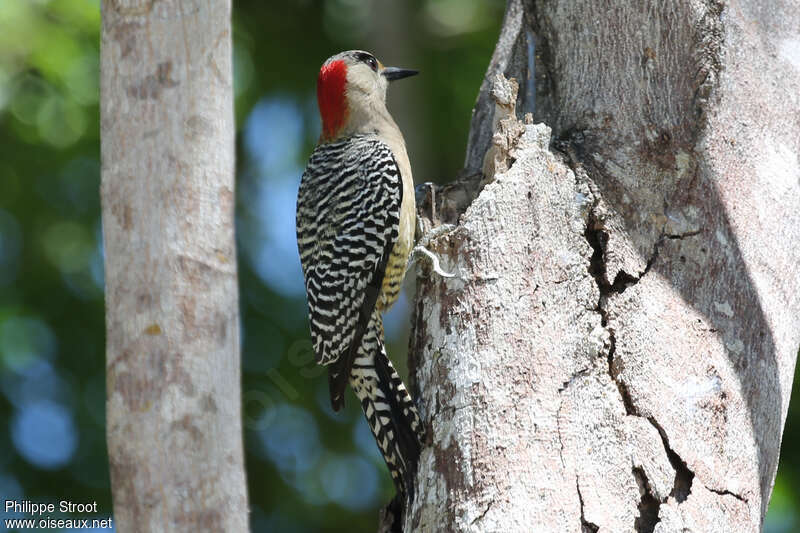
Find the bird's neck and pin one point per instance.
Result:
(332, 100)
(373, 118)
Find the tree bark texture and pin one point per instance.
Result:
(173, 376)
(617, 351)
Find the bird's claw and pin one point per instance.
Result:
(420, 249)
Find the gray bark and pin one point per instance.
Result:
(617, 351)
(173, 408)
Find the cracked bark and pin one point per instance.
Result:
(172, 320)
(617, 349)
(586, 526)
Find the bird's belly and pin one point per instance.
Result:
(398, 259)
(393, 278)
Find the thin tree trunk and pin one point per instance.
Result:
(173, 391)
(617, 351)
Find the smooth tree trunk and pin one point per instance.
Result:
(617, 350)
(172, 357)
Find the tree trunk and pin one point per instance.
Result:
(173, 378)
(617, 350)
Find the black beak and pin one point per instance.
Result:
(394, 73)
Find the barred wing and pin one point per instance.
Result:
(348, 213)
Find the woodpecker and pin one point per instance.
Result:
(355, 229)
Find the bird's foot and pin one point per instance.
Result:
(421, 250)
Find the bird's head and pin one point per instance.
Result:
(351, 92)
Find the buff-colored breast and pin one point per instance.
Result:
(398, 260)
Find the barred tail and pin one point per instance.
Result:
(389, 409)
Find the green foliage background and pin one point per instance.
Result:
(308, 469)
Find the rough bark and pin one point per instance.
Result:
(173, 377)
(617, 351)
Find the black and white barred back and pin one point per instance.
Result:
(348, 212)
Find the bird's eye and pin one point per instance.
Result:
(369, 60)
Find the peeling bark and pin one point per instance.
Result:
(172, 355)
(617, 350)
